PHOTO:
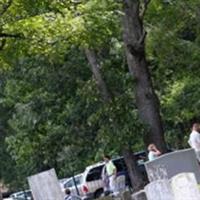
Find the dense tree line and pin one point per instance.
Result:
(79, 78)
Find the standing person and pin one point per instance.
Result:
(194, 139)
(153, 152)
(111, 171)
(105, 179)
(69, 196)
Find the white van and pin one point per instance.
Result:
(87, 185)
(90, 184)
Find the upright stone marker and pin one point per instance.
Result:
(45, 186)
(171, 164)
(184, 187)
(120, 184)
(159, 190)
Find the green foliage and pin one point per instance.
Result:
(52, 114)
(172, 48)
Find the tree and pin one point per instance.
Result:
(146, 98)
(95, 67)
(58, 103)
(172, 47)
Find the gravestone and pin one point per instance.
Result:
(159, 190)
(198, 155)
(45, 186)
(171, 164)
(141, 195)
(120, 184)
(184, 187)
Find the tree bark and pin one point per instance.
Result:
(146, 98)
(95, 67)
(135, 175)
(130, 160)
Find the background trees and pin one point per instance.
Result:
(57, 111)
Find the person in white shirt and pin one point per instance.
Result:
(111, 171)
(194, 139)
(69, 196)
(153, 152)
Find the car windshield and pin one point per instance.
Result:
(78, 180)
(21, 195)
(95, 173)
(72, 181)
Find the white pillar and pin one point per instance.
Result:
(159, 190)
(185, 187)
(45, 186)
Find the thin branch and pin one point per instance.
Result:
(144, 8)
(5, 7)
(8, 35)
(4, 36)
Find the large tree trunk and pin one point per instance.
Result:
(95, 67)
(135, 175)
(130, 160)
(146, 99)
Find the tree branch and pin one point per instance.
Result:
(4, 36)
(138, 47)
(95, 67)
(144, 8)
(5, 7)
(8, 35)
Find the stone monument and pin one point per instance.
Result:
(159, 190)
(45, 186)
(185, 187)
(171, 164)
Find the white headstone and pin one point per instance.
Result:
(159, 190)
(45, 186)
(198, 155)
(120, 183)
(157, 172)
(184, 187)
(171, 164)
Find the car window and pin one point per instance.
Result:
(120, 164)
(78, 180)
(94, 174)
(28, 193)
(69, 184)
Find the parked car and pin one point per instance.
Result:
(73, 183)
(90, 184)
(22, 195)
